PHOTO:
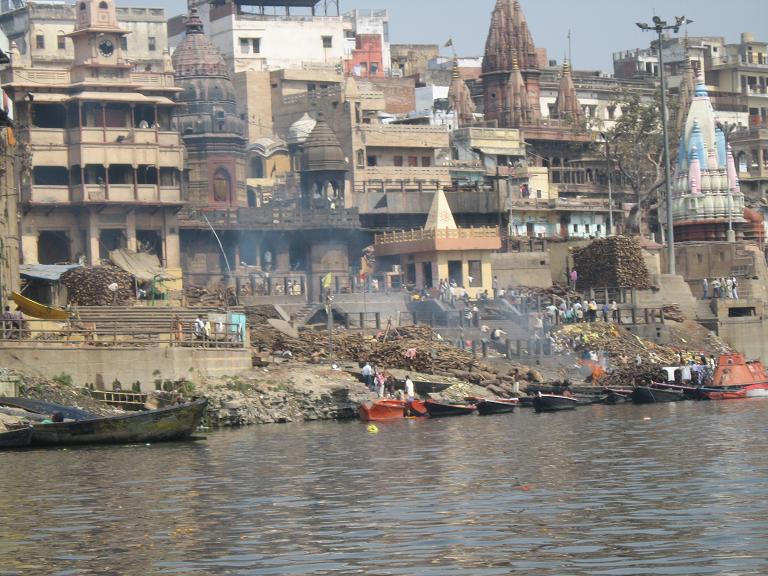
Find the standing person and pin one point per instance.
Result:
(7, 322)
(592, 311)
(715, 288)
(177, 329)
(705, 288)
(495, 286)
(199, 328)
(606, 309)
(615, 311)
(379, 381)
(410, 395)
(18, 323)
(574, 278)
(735, 287)
(368, 375)
(729, 287)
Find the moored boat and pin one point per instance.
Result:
(439, 409)
(172, 423)
(46, 408)
(554, 402)
(616, 396)
(656, 394)
(487, 406)
(735, 378)
(386, 409)
(16, 438)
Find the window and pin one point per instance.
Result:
(124, 43)
(222, 185)
(398, 160)
(575, 227)
(360, 159)
(40, 41)
(611, 112)
(413, 161)
(256, 45)
(61, 42)
(374, 68)
(103, 5)
(327, 41)
(311, 87)
(82, 6)
(245, 46)
(475, 272)
(372, 161)
(426, 161)
(152, 43)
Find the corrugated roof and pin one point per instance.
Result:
(50, 272)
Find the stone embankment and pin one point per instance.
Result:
(296, 393)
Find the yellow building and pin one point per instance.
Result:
(442, 251)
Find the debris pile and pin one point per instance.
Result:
(414, 348)
(89, 286)
(199, 296)
(611, 262)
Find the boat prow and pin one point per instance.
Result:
(386, 409)
(19, 438)
(554, 402)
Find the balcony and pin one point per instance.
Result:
(47, 195)
(292, 218)
(46, 136)
(403, 136)
(125, 194)
(419, 241)
(403, 177)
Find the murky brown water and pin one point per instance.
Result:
(597, 491)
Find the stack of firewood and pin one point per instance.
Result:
(611, 262)
(89, 286)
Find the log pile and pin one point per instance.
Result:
(88, 286)
(615, 262)
(198, 296)
(413, 348)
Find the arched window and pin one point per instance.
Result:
(103, 5)
(222, 185)
(82, 6)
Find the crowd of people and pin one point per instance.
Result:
(12, 324)
(720, 288)
(382, 382)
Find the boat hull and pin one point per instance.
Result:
(488, 407)
(735, 392)
(47, 408)
(554, 403)
(173, 423)
(650, 395)
(16, 438)
(439, 409)
(382, 410)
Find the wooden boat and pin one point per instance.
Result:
(47, 408)
(173, 423)
(735, 378)
(439, 409)
(655, 394)
(616, 396)
(496, 406)
(37, 310)
(16, 438)
(554, 402)
(385, 409)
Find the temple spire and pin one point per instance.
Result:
(460, 99)
(567, 104)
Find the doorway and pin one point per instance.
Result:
(455, 273)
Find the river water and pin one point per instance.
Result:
(603, 490)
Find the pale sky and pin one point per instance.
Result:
(598, 27)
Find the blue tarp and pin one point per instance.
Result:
(51, 272)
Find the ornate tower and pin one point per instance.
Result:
(207, 119)
(509, 39)
(323, 169)
(567, 105)
(460, 99)
(97, 40)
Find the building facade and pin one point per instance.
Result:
(101, 163)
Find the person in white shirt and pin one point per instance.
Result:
(368, 375)
(409, 393)
(199, 328)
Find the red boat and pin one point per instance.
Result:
(385, 409)
(736, 378)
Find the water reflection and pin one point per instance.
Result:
(664, 489)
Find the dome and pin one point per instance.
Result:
(301, 129)
(322, 151)
(196, 56)
(207, 103)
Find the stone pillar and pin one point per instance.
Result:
(283, 256)
(130, 231)
(92, 240)
(172, 250)
(29, 245)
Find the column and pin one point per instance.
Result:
(172, 250)
(93, 240)
(29, 245)
(283, 256)
(130, 231)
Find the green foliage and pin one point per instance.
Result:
(63, 379)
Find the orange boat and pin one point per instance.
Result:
(385, 409)
(736, 378)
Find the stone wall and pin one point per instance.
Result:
(102, 366)
(522, 269)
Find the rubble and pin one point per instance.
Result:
(88, 286)
(616, 261)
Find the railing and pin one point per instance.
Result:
(48, 194)
(439, 234)
(119, 335)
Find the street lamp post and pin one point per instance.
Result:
(659, 26)
(610, 183)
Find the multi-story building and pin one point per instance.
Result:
(101, 160)
(367, 35)
(9, 221)
(41, 31)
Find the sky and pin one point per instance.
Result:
(598, 27)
